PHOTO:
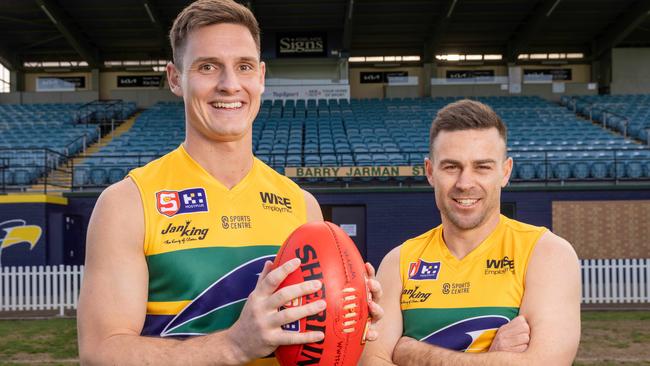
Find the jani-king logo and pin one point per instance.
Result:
(423, 270)
(172, 203)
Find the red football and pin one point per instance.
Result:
(329, 255)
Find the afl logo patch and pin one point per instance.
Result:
(423, 270)
(171, 203)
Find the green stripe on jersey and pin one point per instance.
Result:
(214, 321)
(184, 274)
(419, 323)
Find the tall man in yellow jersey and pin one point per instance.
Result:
(450, 294)
(182, 247)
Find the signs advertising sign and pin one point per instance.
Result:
(301, 44)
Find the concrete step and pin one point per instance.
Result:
(60, 178)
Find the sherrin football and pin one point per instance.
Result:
(327, 254)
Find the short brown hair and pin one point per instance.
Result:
(466, 114)
(202, 13)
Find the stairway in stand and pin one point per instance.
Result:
(59, 180)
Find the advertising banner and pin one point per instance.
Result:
(301, 44)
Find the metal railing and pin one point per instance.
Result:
(100, 170)
(25, 168)
(588, 110)
(96, 171)
(106, 114)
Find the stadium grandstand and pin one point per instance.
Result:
(352, 87)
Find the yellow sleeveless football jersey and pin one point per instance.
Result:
(205, 244)
(460, 304)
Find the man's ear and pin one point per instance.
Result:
(428, 170)
(507, 171)
(174, 79)
(262, 74)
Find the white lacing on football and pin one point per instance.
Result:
(350, 306)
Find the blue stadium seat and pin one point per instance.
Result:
(115, 174)
(98, 176)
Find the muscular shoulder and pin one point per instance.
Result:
(122, 196)
(312, 207)
(552, 254)
(388, 273)
(118, 211)
(551, 247)
(123, 192)
(392, 258)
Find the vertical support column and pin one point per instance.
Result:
(514, 79)
(428, 72)
(344, 69)
(94, 83)
(17, 80)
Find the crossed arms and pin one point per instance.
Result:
(550, 306)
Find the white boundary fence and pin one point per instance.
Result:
(40, 288)
(57, 287)
(615, 281)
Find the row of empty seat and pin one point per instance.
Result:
(27, 129)
(546, 140)
(627, 114)
(36, 138)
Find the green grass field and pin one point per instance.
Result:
(608, 338)
(40, 342)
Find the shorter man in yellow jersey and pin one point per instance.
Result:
(178, 253)
(448, 291)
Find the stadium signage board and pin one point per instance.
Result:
(547, 75)
(312, 44)
(470, 74)
(378, 77)
(60, 83)
(139, 81)
(331, 91)
(354, 171)
(372, 77)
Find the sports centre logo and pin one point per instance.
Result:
(171, 203)
(17, 231)
(423, 270)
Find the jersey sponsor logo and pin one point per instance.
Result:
(468, 335)
(171, 203)
(232, 288)
(236, 222)
(423, 270)
(184, 233)
(456, 288)
(275, 203)
(414, 295)
(499, 266)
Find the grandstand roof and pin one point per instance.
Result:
(98, 31)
